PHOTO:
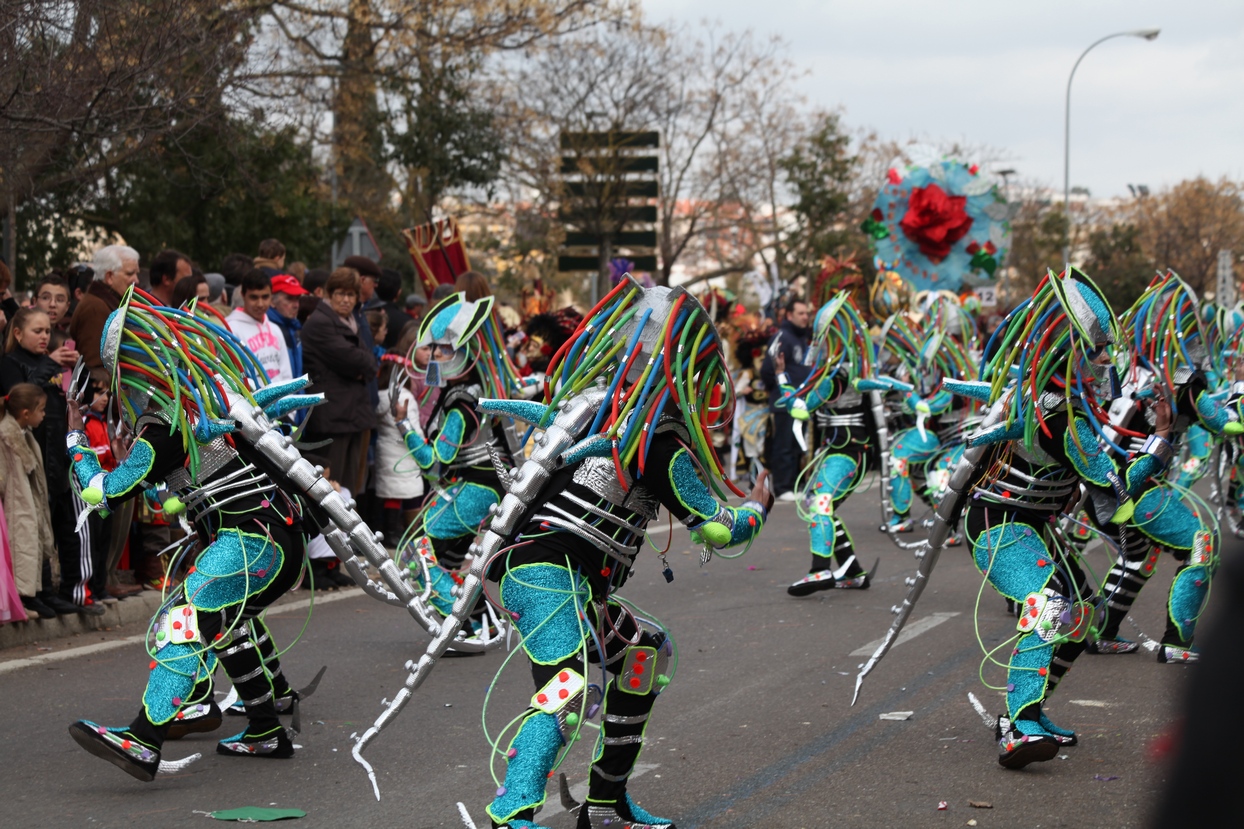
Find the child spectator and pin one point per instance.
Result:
(95, 424)
(26, 360)
(24, 497)
(52, 298)
(11, 609)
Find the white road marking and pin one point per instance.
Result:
(100, 647)
(909, 632)
(578, 791)
(1091, 703)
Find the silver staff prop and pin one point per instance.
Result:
(945, 517)
(557, 446)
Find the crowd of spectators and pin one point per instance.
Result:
(334, 326)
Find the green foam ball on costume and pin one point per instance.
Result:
(93, 495)
(160, 636)
(572, 719)
(663, 680)
(715, 534)
(173, 505)
(1233, 427)
(1123, 513)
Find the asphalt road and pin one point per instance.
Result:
(755, 731)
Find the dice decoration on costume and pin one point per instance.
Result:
(180, 624)
(1202, 548)
(638, 670)
(558, 691)
(1042, 614)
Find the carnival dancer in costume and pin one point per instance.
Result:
(1169, 351)
(624, 432)
(198, 403)
(632, 387)
(1049, 371)
(957, 322)
(459, 451)
(1047, 374)
(159, 359)
(841, 357)
(925, 357)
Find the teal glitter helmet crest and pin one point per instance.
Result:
(469, 330)
(840, 341)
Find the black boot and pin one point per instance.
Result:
(270, 742)
(37, 607)
(118, 746)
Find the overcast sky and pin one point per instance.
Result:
(995, 72)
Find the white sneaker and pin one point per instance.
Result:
(788, 497)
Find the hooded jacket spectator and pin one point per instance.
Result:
(23, 489)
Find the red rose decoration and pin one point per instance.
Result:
(935, 221)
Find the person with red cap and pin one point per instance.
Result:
(283, 313)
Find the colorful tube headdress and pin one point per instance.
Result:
(928, 353)
(1166, 333)
(177, 364)
(1062, 340)
(840, 342)
(657, 354)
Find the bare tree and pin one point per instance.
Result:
(763, 128)
(696, 91)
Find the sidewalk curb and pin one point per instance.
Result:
(287, 604)
(136, 610)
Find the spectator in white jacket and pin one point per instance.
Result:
(399, 481)
(251, 325)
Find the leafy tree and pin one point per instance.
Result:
(821, 171)
(1038, 230)
(448, 138)
(223, 189)
(1183, 228)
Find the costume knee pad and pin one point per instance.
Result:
(1051, 616)
(644, 669)
(568, 696)
(1187, 599)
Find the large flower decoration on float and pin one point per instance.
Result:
(939, 223)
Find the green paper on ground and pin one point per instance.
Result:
(252, 814)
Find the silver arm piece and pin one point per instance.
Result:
(944, 518)
(527, 482)
(349, 537)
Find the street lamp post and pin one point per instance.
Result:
(1147, 34)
